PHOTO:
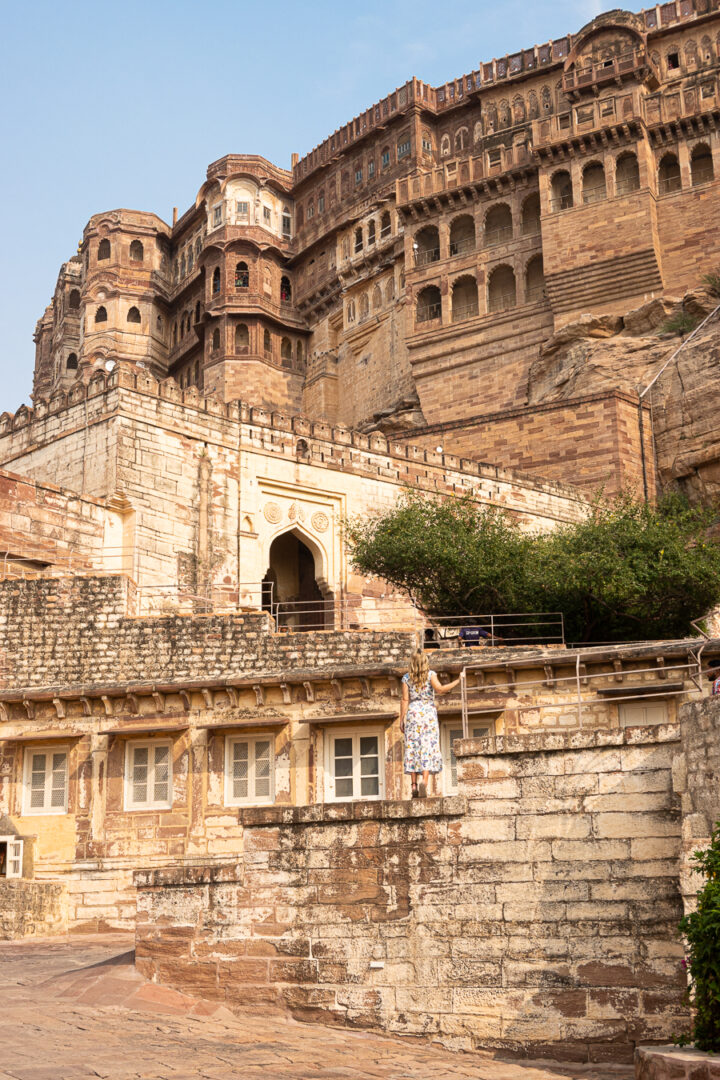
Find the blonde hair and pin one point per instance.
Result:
(419, 668)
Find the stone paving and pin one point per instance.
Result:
(74, 1009)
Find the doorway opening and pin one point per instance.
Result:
(290, 587)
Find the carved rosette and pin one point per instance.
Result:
(319, 521)
(272, 513)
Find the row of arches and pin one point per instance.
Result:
(368, 302)
(186, 322)
(368, 235)
(502, 293)
(627, 177)
(496, 228)
(104, 250)
(133, 314)
(291, 356)
(242, 281)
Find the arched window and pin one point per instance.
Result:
(137, 252)
(267, 343)
(429, 304)
(351, 311)
(445, 146)
(182, 265)
(364, 306)
(534, 280)
(300, 352)
(377, 298)
(190, 258)
(286, 352)
(242, 276)
(701, 165)
(133, 315)
(285, 290)
(74, 300)
(390, 290)
(627, 174)
(669, 174)
(101, 314)
(215, 340)
(371, 232)
(198, 247)
(464, 299)
(498, 225)
(462, 235)
(242, 339)
(358, 239)
(104, 249)
(593, 183)
(501, 289)
(562, 191)
(531, 215)
(385, 225)
(174, 339)
(216, 280)
(72, 362)
(426, 245)
(197, 312)
(461, 138)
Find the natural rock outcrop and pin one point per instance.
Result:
(606, 352)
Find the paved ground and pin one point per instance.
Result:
(73, 1010)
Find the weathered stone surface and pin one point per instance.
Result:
(675, 1063)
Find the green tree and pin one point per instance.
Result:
(629, 571)
(701, 930)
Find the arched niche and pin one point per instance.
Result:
(295, 589)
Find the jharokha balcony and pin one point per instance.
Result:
(634, 65)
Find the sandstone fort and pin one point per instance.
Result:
(464, 289)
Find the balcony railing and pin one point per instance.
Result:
(502, 302)
(561, 202)
(429, 255)
(598, 193)
(499, 235)
(461, 247)
(535, 294)
(607, 71)
(460, 312)
(624, 187)
(531, 228)
(428, 312)
(666, 184)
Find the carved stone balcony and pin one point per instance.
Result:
(635, 66)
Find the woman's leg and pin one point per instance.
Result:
(414, 777)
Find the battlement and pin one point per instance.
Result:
(311, 441)
(506, 69)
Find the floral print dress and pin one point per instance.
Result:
(422, 732)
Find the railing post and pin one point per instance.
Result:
(577, 680)
(463, 703)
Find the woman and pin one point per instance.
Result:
(419, 722)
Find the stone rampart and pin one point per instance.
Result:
(533, 914)
(695, 780)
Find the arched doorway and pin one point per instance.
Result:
(291, 579)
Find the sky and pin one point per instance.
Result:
(125, 105)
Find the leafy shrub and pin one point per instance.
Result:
(701, 930)
(679, 324)
(711, 282)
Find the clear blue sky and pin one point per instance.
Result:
(125, 105)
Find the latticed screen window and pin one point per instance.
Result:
(449, 734)
(355, 766)
(11, 857)
(46, 782)
(243, 210)
(249, 770)
(217, 215)
(148, 776)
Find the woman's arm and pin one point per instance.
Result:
(441, 688)
(404, 702)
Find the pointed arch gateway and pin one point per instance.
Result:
(295, 590)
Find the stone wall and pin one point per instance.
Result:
(533, 914)
(76, 632)
(592, 441)
(30, 908)
(695, 780)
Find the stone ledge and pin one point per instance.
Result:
(205, 874)
(331, 813)
(675, 1063)
(558, 741)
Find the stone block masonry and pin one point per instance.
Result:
(534, 913)
(32, 908)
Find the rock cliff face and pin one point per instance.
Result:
(626, 353)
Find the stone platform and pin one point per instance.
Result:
(675, 1063)
(75, 1009)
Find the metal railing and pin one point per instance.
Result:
(498, 235)
(464, 311)
(461, 247)
(429, 255)
(666, 184)
(535, 294)
(625, 186)
(502, 302)
(561, 202)
(428, 312)
(598, 193)
(575, 683)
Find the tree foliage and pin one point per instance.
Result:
(701, 930)
(629, 571)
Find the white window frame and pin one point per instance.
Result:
(478, 728)
(356, 734)
(252, 799)
(217, 216)
(14, 856)
(149, 804)
(267, 216)
(659, 705)
(46, 808)
(243, 215)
